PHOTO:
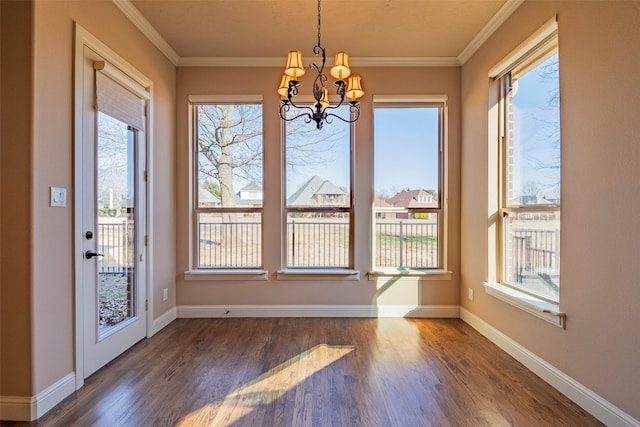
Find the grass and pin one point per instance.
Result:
(395, 239)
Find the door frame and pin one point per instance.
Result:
(82, 39)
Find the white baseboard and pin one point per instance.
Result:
(215, 311)
(22, 408)
(162, 321)
(600, 408)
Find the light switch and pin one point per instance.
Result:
(58, 197)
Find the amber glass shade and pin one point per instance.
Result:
(283, 89)
(354, 87)
(341, 70)
(325, 99)
(294, 68)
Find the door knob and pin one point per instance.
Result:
(90, 254)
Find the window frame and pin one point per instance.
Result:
(440, 271)
(198, 272)
(543, 45)
(304, 271)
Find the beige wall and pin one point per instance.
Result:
(600, 151)
(385, 81)
(15, 197)
(600, 234)
(40, 262)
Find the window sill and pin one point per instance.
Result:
(408, 272)
(547, 311)
(318, 274)
(228, 274)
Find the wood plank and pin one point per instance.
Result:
(315, 372)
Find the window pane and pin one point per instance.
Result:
(318, 193)
(318, 239)
(407, 186)
(116, 155)
(229, 177)
(533, 175)
(229, 144)
(318, 163)
(407, 242)
(406, 151)
(229, 240)
(531, 240)
(532, 257)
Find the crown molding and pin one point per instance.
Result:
(355, 62)
(398, 61)
(198, 61)
(487, 31)
(147, 29)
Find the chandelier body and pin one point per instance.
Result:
(320, 112)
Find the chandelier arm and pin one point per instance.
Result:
(290, 104)
(353, 108)
(286, 106)
(307, 117)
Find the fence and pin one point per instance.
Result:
(309, 244)
(535, 253)
(407, 244)
(115, 241)
(230, 245)
(317, 244)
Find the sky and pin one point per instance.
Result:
(405, 149)
(406, 145)
(331, 157)
(536, 136)
(405, 153)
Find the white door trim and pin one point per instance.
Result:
(84, 39)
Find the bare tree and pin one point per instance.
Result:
(229, 141)
(113, 164)
(550, 124)
(230, 146)
(530, 188)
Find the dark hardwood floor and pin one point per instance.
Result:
(315, 372)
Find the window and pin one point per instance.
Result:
(408, 182)
(318, 188)
(530, 172)
(227, 140)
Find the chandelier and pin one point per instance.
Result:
(320, 112)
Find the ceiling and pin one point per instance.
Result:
(236, 32)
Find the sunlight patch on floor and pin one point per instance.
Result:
(267, 388)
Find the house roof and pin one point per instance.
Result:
(409, 199)
(253, 198)
(380, 203)
(316, 185)
(252, 186)
(532, 200)
(205, 196)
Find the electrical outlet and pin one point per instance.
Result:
(470, 294)
(165, 294)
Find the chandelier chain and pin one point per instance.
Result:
(318, 22)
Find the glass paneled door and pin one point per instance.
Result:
(116, 221)
(113, 216)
